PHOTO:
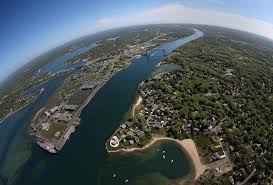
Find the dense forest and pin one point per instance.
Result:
(225, 82)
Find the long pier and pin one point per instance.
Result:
(73, 123)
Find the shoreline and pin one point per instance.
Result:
(138, 102)
(82, 106)
(37, 113)
(187, 145)
(89, 98)
(13, 112)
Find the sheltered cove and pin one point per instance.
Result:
(187, 144)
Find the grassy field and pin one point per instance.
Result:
(55, 127)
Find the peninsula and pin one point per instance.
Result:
(53, 125)
(212, 96)
(221, 98)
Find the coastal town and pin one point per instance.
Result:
(154, 121)
(216, 104)
(121, 48)
(204, 101)
(53, 125)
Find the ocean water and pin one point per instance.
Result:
(147, 166)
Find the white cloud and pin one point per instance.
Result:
(106, 21)
(218, 2)
(178, 13)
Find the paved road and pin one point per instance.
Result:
(218, 126)
(216, 164)
(245, 181)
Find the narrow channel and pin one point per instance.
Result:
(84, 159)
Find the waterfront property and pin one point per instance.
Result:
(91, 137)
(205, 80)
(90, 85)
(114, 142)
(52, 127)
(55, 125)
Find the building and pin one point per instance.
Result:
(215, 147)
(47, 113)
(214, 138)
(70, 107)
(114, 142)
(220, 154)
(136, 139)
(69, 132)
(56, 116)
(45, 126)
(66, 116)
(131, 142)
(140, 134)
(90, 85)
(123, 126)
(217, 150)
(231, 180)
(54, 109)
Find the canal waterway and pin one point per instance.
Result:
(84, 160)
(59, 63)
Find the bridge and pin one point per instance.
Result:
(160, 49)
(164, 51)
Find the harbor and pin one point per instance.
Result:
(87, 145)
(56, 122)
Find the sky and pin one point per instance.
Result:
(29, 28)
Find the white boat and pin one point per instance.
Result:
(163, 151)
(114, 175)
(46, 146)
(171, 161)
(42, 90)
(137, 56)
(126, 180)
(163, 156)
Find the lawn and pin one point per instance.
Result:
(202, 141)
(54, 128)
(79, 97)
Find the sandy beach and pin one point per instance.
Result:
(187, 144)
(139, 100)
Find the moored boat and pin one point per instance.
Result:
(46, 146)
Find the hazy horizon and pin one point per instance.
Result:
(32, 29)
